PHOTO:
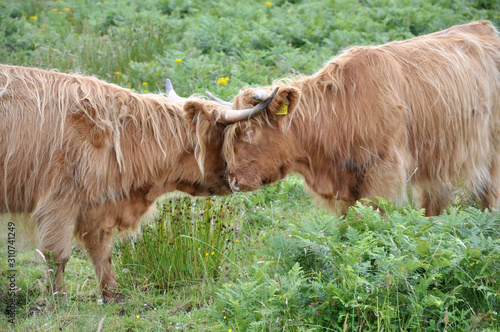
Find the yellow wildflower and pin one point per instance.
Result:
(129, 86)
(146, 91)
(206, 254)
(54, 10)
(472, 264)
(118, 73)
(33, 18)
(222, 80)
(268, 3)
(237, 241)
(212, 253)
(178, 60)
(144, 83)
(138, 316)
(66, 9)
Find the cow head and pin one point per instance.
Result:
(208, 145)
(257, 146)
(206, 153)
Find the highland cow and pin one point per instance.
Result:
(82, 157)
(423, 113)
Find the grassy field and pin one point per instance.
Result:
(271, 260)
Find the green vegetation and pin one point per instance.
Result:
(196, 42)
(186, 244)
(398, 272)
(270, 260)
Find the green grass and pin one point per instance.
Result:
(247, 41)
(187, 243)
(280, 262)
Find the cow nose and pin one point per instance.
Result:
(233, 183)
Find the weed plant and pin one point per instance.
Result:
(188, 242)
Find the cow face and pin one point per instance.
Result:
(208, 146)
(206, 152)
(257, 151)
(261, 150)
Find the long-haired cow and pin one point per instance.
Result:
(83, 156)
(424, 113)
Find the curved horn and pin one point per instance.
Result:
(171, 92)
(259, 95)
(220, 101)
(232, 116)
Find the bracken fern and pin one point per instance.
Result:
(396, 270)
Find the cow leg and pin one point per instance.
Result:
(56, 222)
(384, 179)
(435, 198)
(99, 245)
(488, 196)
(95, 230)
(489, 193)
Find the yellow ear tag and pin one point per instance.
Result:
(282, 110)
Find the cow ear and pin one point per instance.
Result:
(285, 102)
(195, 113)
(200, 117)
(192, 109)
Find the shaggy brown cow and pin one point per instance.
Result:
(423, 112)
(83, 156)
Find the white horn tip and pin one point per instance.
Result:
(168, 85)
(259, 95)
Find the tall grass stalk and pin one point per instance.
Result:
(188, 242)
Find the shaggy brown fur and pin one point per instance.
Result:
(423, 112)
(83, 156)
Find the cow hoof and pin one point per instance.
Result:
(115, 297)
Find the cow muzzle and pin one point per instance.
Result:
(233, 184)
